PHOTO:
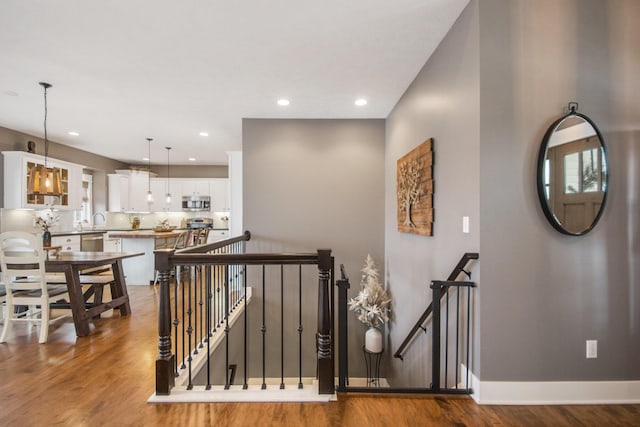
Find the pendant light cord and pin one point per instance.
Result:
(149, 167)
(46, 140)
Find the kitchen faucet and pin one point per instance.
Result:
(93, 219)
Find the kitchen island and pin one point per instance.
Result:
(141, 270)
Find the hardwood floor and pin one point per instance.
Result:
(106, 378)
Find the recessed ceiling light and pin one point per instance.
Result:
(73, 133)
(283, 102)
(192, 159)
(204, 133)
(145, 159)
(361, 102)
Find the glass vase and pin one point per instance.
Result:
(46, 239)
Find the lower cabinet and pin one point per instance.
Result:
(68, 243)
(112, 244)
(215, 235)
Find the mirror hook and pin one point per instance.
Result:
(572, 107)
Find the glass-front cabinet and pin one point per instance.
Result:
(17, 166)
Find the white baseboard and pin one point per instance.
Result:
(553, 392)
(254, 393)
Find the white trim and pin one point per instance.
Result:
(254, 393)
(554, 392)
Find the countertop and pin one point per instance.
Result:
(144, 234)
(113, 231)
(77, 233)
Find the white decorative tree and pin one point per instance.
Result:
(409, 189)
(372, 302)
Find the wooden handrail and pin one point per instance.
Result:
(217, 245)
(459, 268)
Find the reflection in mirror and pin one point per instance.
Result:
(572, 174)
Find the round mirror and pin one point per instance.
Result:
(572, 174)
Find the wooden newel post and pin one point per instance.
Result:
(326, 383)
(165, 378)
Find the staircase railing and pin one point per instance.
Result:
(451, 331)
(211, 283)
(455, 273)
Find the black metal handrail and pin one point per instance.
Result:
(457, 270)
(446, 349)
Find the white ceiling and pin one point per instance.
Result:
(124, 70)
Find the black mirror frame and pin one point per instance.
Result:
(542, 155)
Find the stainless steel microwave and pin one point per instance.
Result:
(196, 203)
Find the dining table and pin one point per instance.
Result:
(72, 264)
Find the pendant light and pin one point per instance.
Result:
(42, 179)
(149, 193)
(168, 177)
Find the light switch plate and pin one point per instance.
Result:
(465, 224)
(592, 349)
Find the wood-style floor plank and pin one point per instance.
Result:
(106, 378)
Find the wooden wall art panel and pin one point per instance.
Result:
(414, 177)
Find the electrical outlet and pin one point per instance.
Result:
(592, 349)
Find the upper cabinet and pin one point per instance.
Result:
(128, 191)
(159, 188)
(220, 195)
(17, 165)
(193, 187)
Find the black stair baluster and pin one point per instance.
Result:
(300, 326)
(281, 326)
(263, 330)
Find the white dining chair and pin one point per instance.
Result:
(22, 260)
(3, 298)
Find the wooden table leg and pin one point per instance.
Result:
(76, 301)
(120, 287)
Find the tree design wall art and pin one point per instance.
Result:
(415, 190)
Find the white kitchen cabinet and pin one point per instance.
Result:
(138, 188)
(68, 243)
(216, 188)
(128, 191)
(18, 164)
(195, 187)
(215, 235)
(118, 193)
(112, 244)
(219, 195)
(175, 188)
(159, 190)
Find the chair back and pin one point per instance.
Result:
(181, 240)
(198, 236)
(22, 261)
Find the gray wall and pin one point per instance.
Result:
(191, 171)
(312, 184)
(503, 74)
(11, 140)
(441, 103)
(542, 293)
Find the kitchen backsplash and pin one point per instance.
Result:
(24, 220)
